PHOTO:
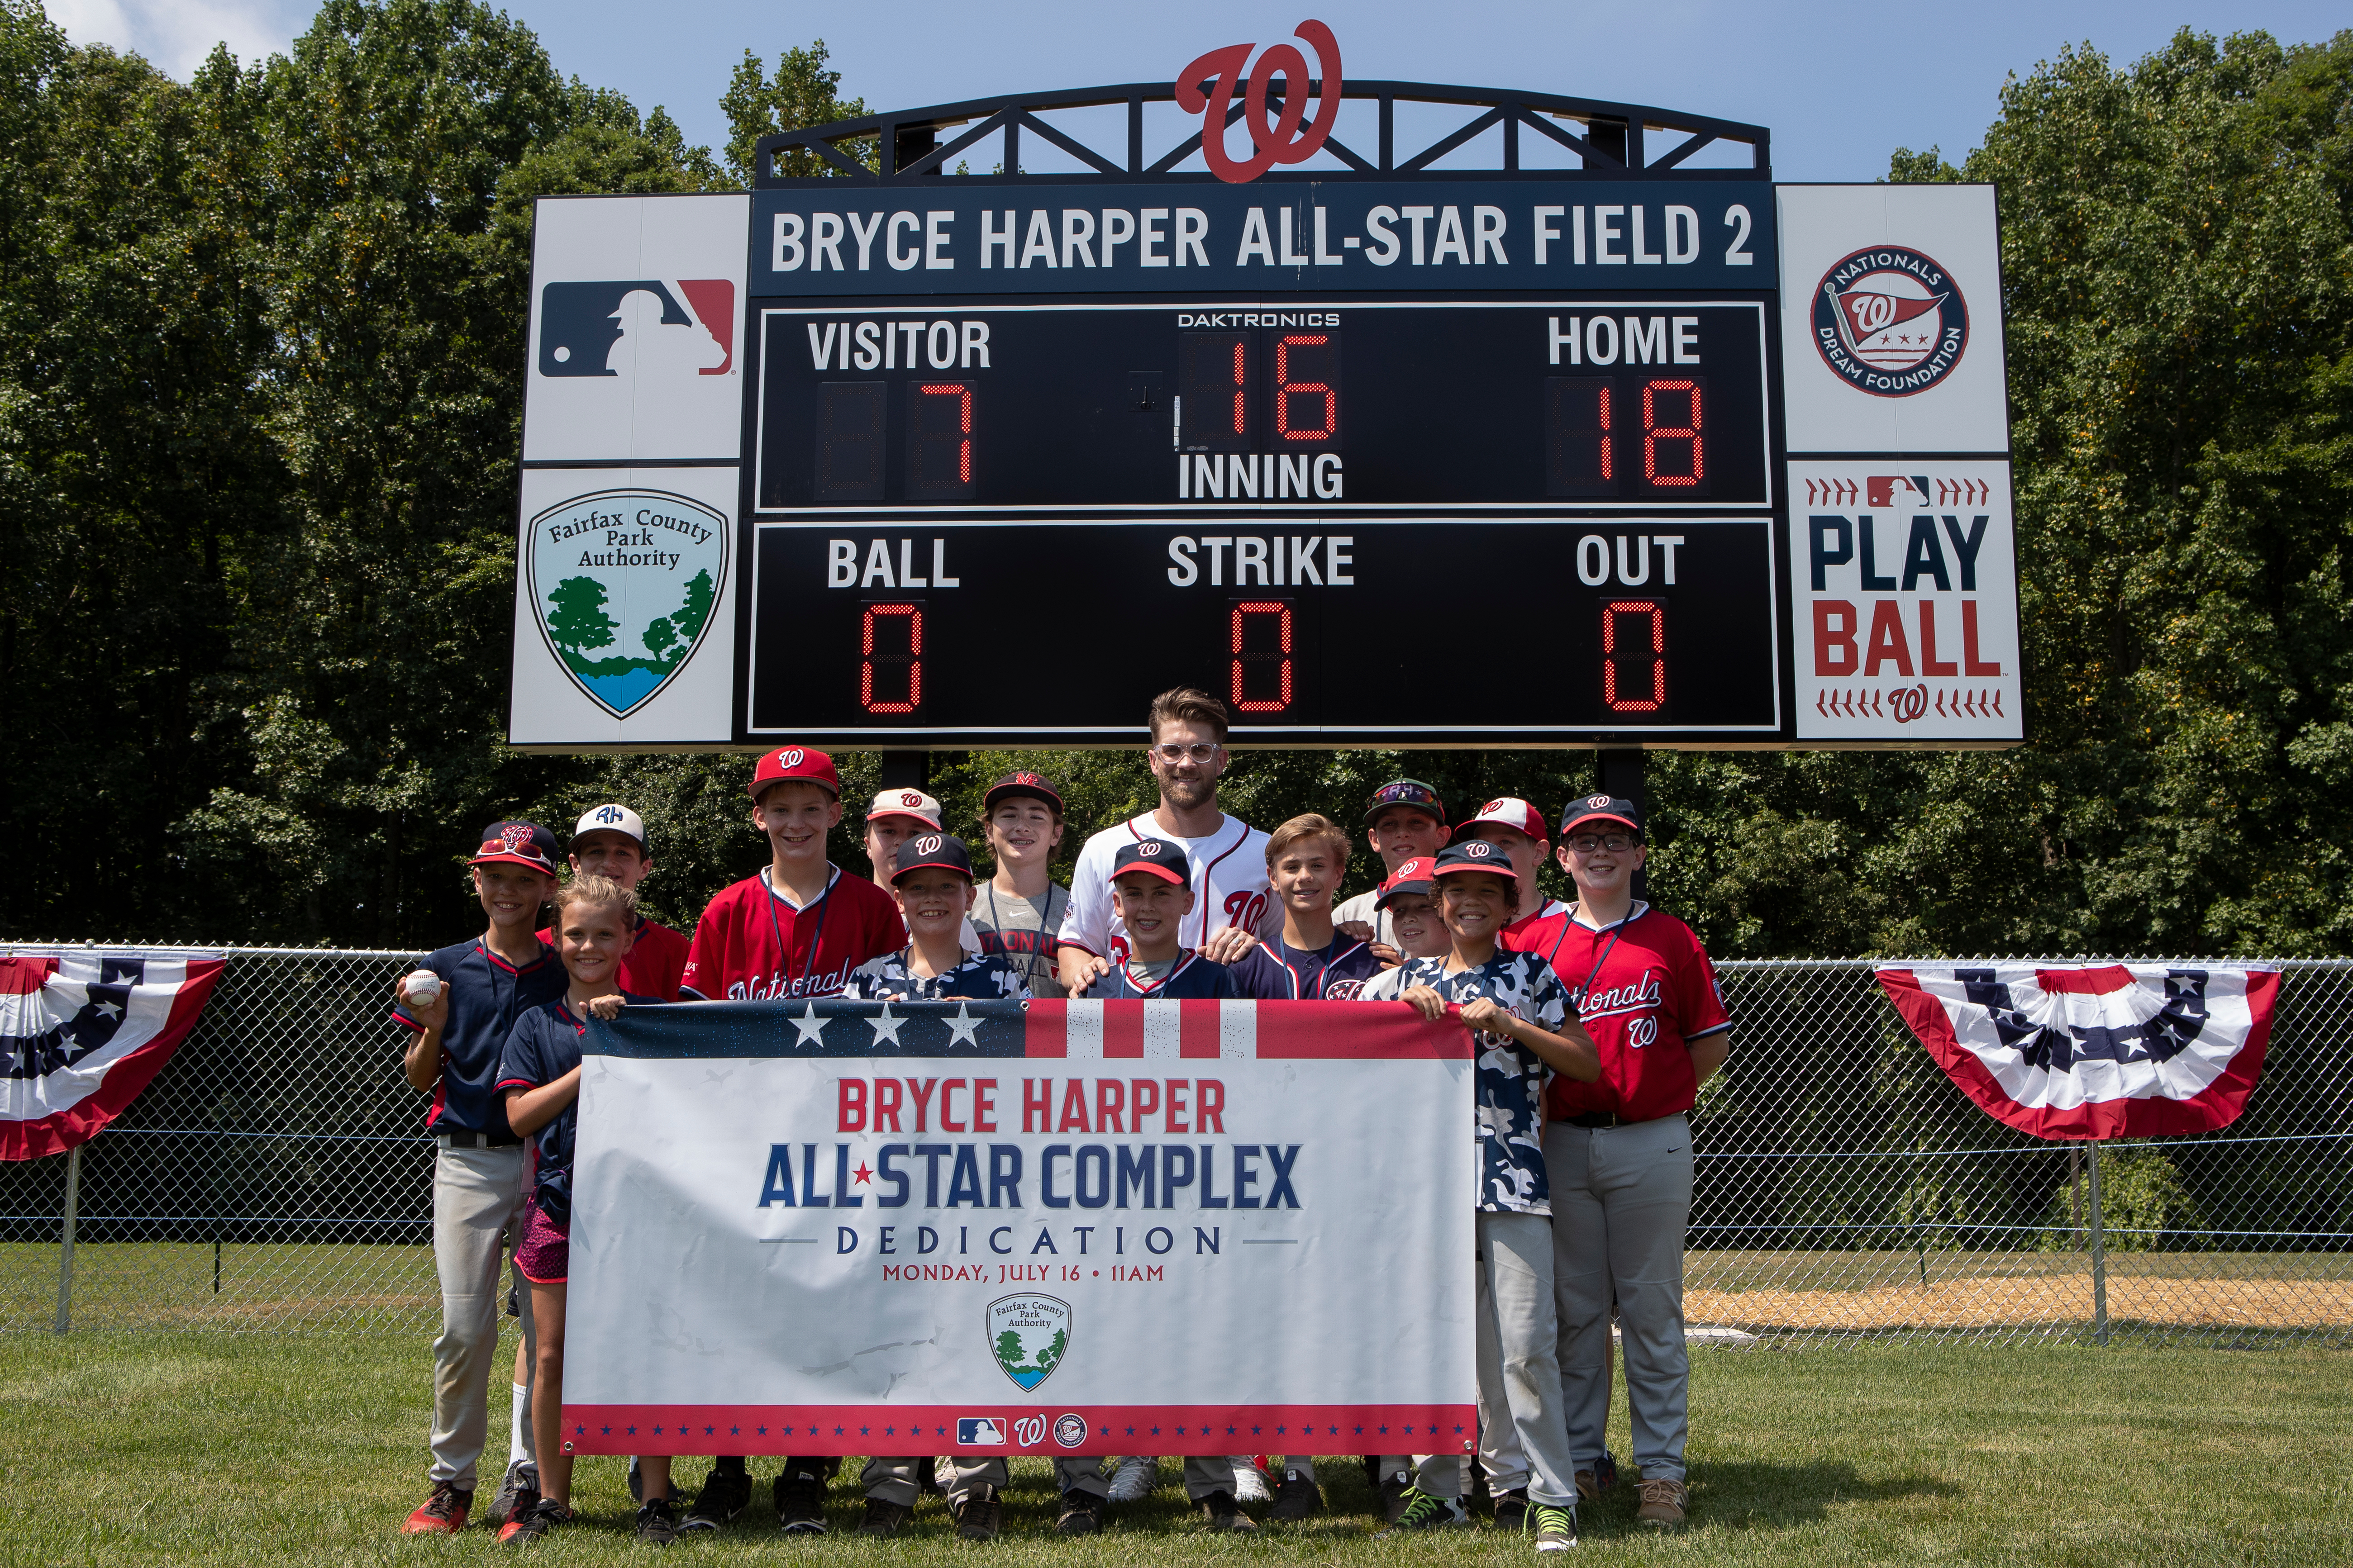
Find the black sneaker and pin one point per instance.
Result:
(726, 1494)
(884, 1518)
(1295, 1496)
(521, 1479)
(1082, 1514)
(980, 1515)
(1220, 1511)
(1511, 1509)
(657, 1523)
(544, 1515)
(1424, 1511)
(1605, 1471)
(801, 1503)
(1397, 1491)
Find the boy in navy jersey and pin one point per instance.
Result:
(539, 1079)
(1525, 1030)
(1309, 960)
(1021, 906)
(1152, 892)
(478, 1170)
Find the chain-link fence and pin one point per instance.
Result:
(274, 1176)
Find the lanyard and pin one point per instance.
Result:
(777, 929)
(1577, 997)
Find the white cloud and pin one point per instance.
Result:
(178, 35)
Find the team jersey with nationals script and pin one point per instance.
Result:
(653, 963)
(752, 945)
(1274, 971)
(1511, 1077)
(1230, 886)
(1191, 978)
(543, 1046)
(486, 995)
(1644, 988)
(981, 977)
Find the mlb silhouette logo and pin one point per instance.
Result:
(979, 1431)
(647, 325)
(1880, 489)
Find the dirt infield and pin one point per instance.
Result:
(1989, 1302)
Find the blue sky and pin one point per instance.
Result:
(1839, 84)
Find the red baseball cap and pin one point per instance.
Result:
(795, 763)
(1410, 877)
(1509, 811)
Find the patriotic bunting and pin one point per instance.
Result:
(81, 1034)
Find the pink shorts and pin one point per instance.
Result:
(544, 1256)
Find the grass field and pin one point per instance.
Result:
(236, 1449)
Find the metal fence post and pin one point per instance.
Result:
(2099, 1253)
(65, 1252)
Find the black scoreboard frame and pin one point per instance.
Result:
(1614, 143)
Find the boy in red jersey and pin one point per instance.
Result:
(610, 841)
(1619, 1148)
(1517, 828)
(794, 929)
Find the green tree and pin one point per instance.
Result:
(802, 93)
(1008, 1350)
(576, 618)
(659, 636)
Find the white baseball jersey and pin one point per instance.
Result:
(1230, 886)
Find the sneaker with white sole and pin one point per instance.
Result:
(1555, 1527)
(800, 1502)
(1135, 1479)
(1249, 1481)
(726, 1494)
(1663, 1502)
(1423, 1510)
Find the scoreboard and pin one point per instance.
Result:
(1451, 460)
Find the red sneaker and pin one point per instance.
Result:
(443, 1514)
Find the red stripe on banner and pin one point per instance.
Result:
(1198, 1028)
(1026, 1426)
(2085, 982)
(83, 1120)
(2216, 1106)
(1045, 1029)
(1363, 1031)
(21, 976)
(1122, 1026)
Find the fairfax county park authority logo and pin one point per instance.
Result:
(1890, 321)
(625, 583)
(1028, 1335)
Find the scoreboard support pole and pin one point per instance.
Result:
(1621, 772)
(906, 770)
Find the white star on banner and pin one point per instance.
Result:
(885, 1027)
(110, 1007)
(811, 1026)
(964, 1027)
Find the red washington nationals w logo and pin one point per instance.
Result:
(1278, 139)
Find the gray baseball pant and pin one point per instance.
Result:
(479, 1204)
(1523, 1441)
(1621, 1206)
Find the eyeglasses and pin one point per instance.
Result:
(1586, 843)
(1172, 753)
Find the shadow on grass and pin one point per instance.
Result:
(1760, 1495)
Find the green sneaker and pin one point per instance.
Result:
(1424, 1512)
(1556, 1527)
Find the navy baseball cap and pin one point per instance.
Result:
(1405, 791)
(1410, 877)
(526, 844)
(1157, 855)
(1601, 808)
(1475, 855)
(928, 849)
(1021, 783)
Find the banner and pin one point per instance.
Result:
(2083, 1051)
(1040, 1228)
(81, 1034)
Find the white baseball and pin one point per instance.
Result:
(420, 986)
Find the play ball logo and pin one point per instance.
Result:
(626, 584)
(1028, 1335)
(1889, 321)
(1069, 1431)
